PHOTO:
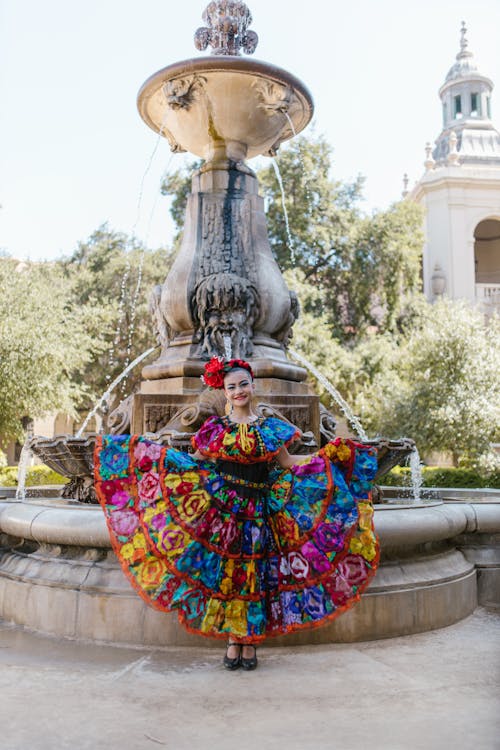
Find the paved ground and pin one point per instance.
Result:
(436, 690)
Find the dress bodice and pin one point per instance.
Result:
(222, 439)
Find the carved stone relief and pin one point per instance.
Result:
(175, 146)
(327, 424)
(157, 416)
(225, 307)
(180, 93)
(161, 328)
(273, 97)
(119, 420)
(227, 29)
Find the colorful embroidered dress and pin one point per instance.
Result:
(234, 543)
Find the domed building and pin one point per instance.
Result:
(460, 191)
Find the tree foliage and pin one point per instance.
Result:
(44, 343)
(367, 267)
(111, 278)
(443, 388)
(177, 185)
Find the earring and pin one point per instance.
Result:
(228, 408)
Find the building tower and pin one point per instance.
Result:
(460, 191)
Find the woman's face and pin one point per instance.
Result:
(239, 388)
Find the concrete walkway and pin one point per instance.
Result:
(422, 692)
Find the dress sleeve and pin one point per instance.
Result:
(276, 434)
(357, 462)
(208, 439)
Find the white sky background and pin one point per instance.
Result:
(74, 151)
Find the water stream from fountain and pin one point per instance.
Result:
(104, 398)
(128, 267)
(416, 474)
(330, 388)
(285, 212)
(307, 180)
(22, 469)
(228, 347)
(414, 459)
(135, 298)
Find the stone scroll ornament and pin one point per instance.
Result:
(225, 307)
(285, 334)
(164, 333)
(227, 29)
(180, 93)
(274, 97)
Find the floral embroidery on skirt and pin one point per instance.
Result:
(235, 546)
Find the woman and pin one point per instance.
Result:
(243, 539)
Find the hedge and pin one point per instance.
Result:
(438, 476)
(36, 475)
(433, 476)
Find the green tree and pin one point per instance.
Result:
(43, 344)
(112, 277)
(177, 185)
(352, 368)
(367, 267)
(322, 211)
(443, 390)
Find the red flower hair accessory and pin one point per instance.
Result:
(217, 369)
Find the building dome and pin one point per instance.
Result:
(465, 66)
(468, 134)
(460, 192)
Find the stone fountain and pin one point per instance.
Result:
(224, 295)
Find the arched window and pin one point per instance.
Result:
(475, 105)
(487, 263)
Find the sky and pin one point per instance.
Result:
(74, 152)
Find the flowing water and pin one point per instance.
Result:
(104, 398)
(285, 212)
(122, 307)
(416, 474)
(228, 347)
(414, 459)
(290, 122)
(22, 469)
(330, 388)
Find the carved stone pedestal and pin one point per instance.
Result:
(225, 294)
(175, 408)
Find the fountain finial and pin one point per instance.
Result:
(226, 31)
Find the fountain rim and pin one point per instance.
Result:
(214, 64)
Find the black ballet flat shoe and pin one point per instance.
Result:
(232, 663)
(250, 663)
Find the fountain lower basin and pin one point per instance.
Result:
(58, 575)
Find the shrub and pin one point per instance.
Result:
(437, 476)
(35, 476)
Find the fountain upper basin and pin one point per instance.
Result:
(225, 107)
